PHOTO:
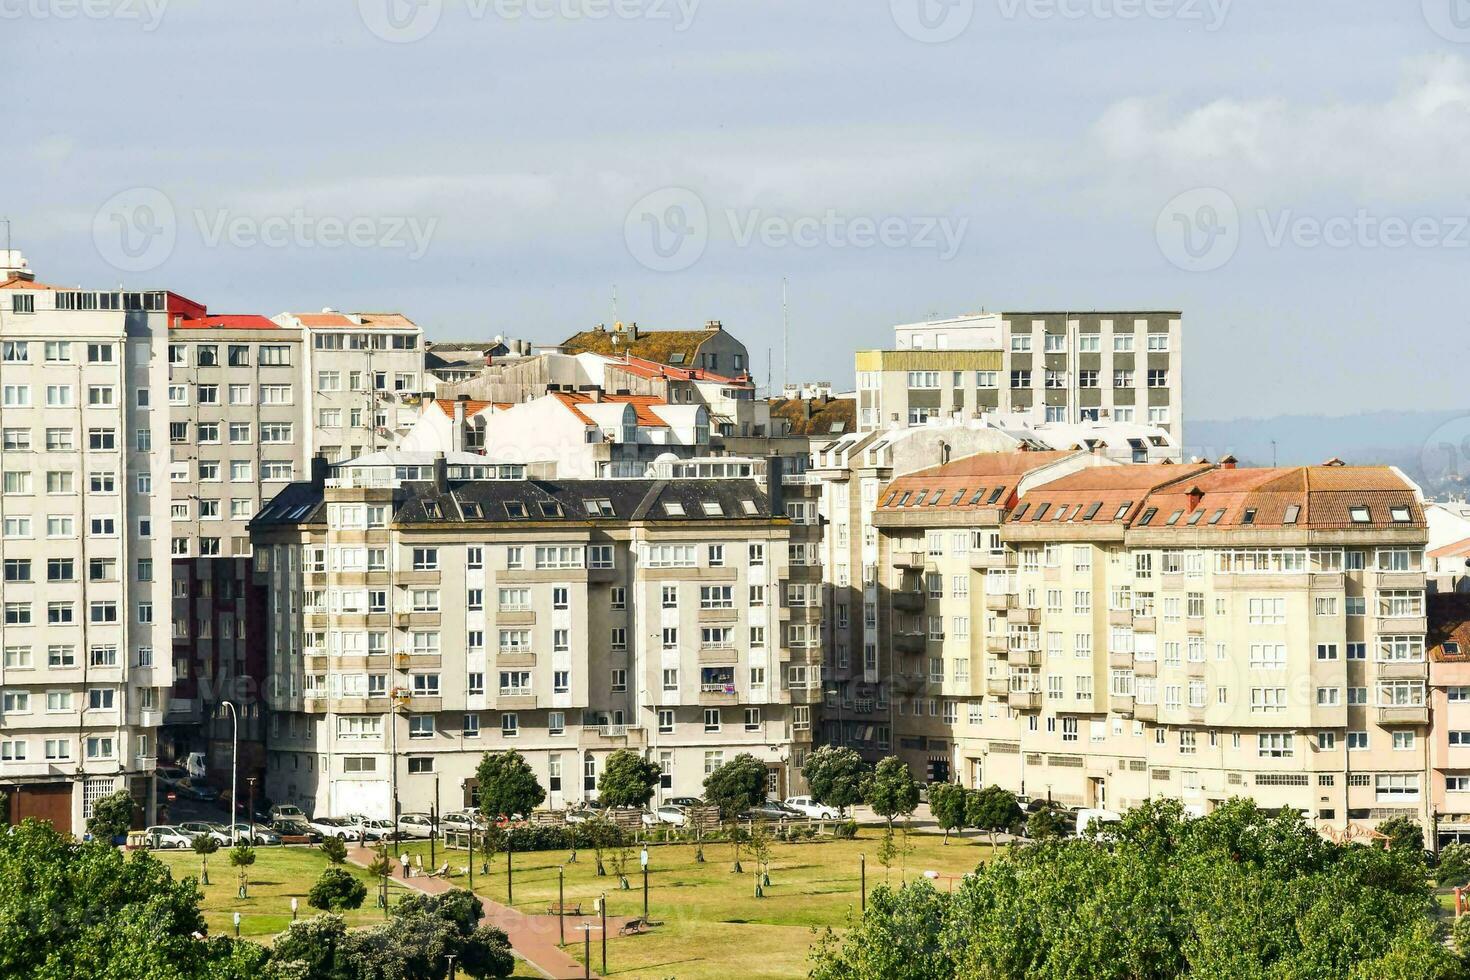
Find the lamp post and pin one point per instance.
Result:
(643, 860)
(234, 764)
(250, 805)
(237, 925)
(452, 973)
(586, 928)
(509, 899)
(293, 909)
(602, 914)
(472, 856)
(863, 880)
(434, 823)
(561, 905)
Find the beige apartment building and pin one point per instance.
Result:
(423, 614)
(1196, 632)
(86, 672)
(1060, 367)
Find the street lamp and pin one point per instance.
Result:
(643, 860)
(587, 928)
(561, 905)
(293, 909)
(250, 805)
(237, 925)
(234, 766)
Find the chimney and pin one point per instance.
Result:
(713, 325)
(1334, 461)
(1228, 462)
(774, 489)
(319, 469)
(441, 473)
(1195, 495)
(456, 432)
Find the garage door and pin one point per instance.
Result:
(43, 801)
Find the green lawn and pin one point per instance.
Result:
(279, 873)
(713, 926)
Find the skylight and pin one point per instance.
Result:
(1400, 515)
(1195, 518)
(551, 508)
(599, 507)
(1249, 517)
(1041, 510)
(1215, 517)
(673, 508)
(1360, 514)
(1122, 510)
(1021, 511)
(1092, 510)
(515, 509)
(712, 508)
(1148, 516)
(1174, 518)
(977, 497)
(749, 506)
(919, 500)
(1293, 511)
(995, 494)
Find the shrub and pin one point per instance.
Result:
(334, 849)
(112, 817)
(1454, 865)
(336, 889)
(846, 830)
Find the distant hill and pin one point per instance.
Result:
(1432, 448)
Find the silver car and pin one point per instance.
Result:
(164, 837)
(415, 825)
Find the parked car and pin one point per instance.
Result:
(581, 814)
(375, 829)
(285, 811)
(254, 834)
(415, 825)
(772, 810)
(197, 791)
(297, 829)
(461, 820)
(170, 838)
(685, 801)
(335, 827)
(195, 828)
(170, 775)
(666, 814)
(811, 808)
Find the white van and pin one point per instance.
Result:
(1087, 817)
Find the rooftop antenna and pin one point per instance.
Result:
(769, 384)
(785, 339)
(615, 303)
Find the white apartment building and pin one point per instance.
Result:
(423, 613)
(1198, 632)
(1060, 367)
(86, 671)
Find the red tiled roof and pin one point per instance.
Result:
(642, 406)
(645, 368)
(226, 321)
(1298, 496)
(1118, 492)
(1449, 622)
(982, 480)
(471, 406)
(16, 282)
(1455, 549)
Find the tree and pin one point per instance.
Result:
(507, 785)
(242, 856)
(381, 868)
(628, 779)
(1454, 865)
(835, 776)
(891, 791)
(334, 849)
(204, 845)
(993, 810)
(602, 834)
(1045, 822)
(950, 805)
(734, 788)
(336, 889)
(70, 908)
(416, 944)
(112, 817)
(1237, 893)
(1404, 834)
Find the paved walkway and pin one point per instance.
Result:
(533, 937)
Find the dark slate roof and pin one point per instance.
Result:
(485, 501)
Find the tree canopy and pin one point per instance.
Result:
(835, 776)
(507, 785)
(891, 790)
(1238, 893)
(627, 779)
(112, 816)
(992, 809)
(949, 803)
(736, 786)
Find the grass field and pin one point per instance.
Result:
(279, 873)
(712, 925)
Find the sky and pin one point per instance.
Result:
(1291, 176)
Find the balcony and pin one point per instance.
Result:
(1121, 704)
(713, 695)
(996, 644)
(510, 699)
(983, 558)
(515, 657)
(1022, 657)
(911, 560)
(417, 576)
(907, 601)
(997, 685)
(1119, 661)
(725, 615)
(1120, 617)
(1196, 714)
(1403, 670)
(1027, 617)
(1403, 714)
(1024, 700)
(1000, 601)
(515, 617)
(1401, 624)
(1145, 624)
(611, 737)
(1400, 580)
(910, 642)
(1195, 668)
(719, 653)
(1145, 712)
(1145, 668)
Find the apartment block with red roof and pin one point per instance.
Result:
(1191, 631)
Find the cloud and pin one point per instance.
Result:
(1408, 148)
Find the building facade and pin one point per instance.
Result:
(420, 618)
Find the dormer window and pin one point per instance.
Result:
(431, 508)
(1360, 515)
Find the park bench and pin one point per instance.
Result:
(631, 928)
(567, 910)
